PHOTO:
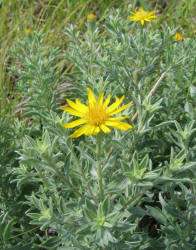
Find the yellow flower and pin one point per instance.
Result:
(96, 116)
(178, 37)
(27, 30)
(142, 16)
(91, 17)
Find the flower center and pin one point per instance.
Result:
(143, 14)
(96, 114)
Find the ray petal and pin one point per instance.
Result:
(80, 131)
(152, 12)
(90, 130)
(74, 123)
(113, 106)
(96, 130)
(81, 106)
(100, 98)
(105, 129)
(154, 16)
(91, 97)
(76, 106)
(118, 118)
(120, 109)
(107, 101)
(118, 125)
(72, 111)
(132, 12)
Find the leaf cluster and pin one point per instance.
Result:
(148, 174)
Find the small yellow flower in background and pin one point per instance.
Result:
(178, 37)
(27, 30)
(142, 16)
(91, 17)
(96, 116)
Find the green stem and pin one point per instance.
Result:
(91, 57)
(66, 182)
(77, 163)
(81, 171)
(41, 176)
(91, 30)
(132, 200)
(63, 178)
(99, 169)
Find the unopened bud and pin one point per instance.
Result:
(91, 17)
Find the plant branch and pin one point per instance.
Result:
(81, 171)
(99, 169)
(151, 92)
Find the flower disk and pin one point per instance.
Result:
(142, 16)
(96, 116)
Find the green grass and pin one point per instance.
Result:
(53, 16)
(49, 17)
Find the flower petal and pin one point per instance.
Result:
(77, 106)
(118, 125)
(117, 118)
(91, 97)
(96, 130)
(120, 109)
(90, 130)
(107, 101)
(142, 9)
(72, 111)
(152, 12)
(75, 123)
(113, 106)
(100, 98)
(105, 129)
(80, 131)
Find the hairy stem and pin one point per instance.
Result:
(81, 170)
(152, 91)
(99, 169)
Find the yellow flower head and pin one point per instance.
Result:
(178, 37)
(91, 17)
(96, 116)
(27, 30)
(142, 16)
